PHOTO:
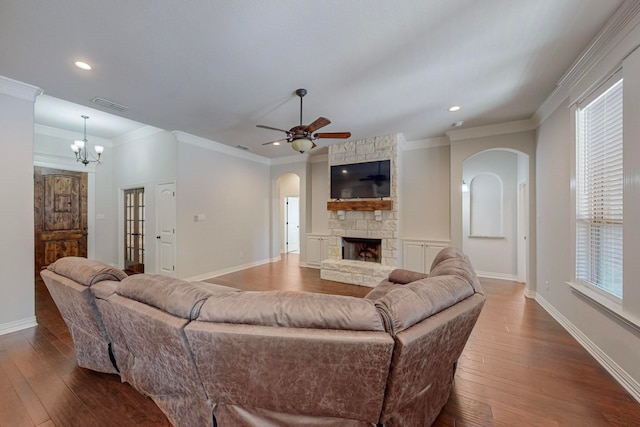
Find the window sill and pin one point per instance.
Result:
(607, 305)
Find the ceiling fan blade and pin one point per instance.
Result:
(319, 123)
(335, 135)
(273, 142)
(272, 128)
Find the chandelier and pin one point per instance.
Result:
(81, 150)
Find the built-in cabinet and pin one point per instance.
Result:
(317, 249)
(417, 255)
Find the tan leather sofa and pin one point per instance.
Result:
(212, 355)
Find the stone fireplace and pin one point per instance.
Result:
(359, 249)
(358, 220)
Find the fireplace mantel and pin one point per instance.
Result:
(361, 205)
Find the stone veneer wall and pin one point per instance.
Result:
(368, 224)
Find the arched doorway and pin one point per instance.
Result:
(495, 213)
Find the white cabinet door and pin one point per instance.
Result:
(430, 253)
(413, 257)
(418, 255)
(317, 250)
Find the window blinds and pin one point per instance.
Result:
(599, 192)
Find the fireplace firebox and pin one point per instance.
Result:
(360, 249)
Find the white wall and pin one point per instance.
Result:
(145, 159)
(17, 295)
(424, 202)
(319, 195)
(234, 194)
(615, 343)
(491, 256)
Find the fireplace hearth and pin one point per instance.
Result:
(360, 249)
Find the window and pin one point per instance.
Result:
(599, 191)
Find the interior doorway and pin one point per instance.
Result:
(60, 215)
(134, 230)
(292, 224)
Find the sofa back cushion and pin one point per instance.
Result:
(452, 261)
(409, 304)
(177, 297)
(292, 309)
(85, 271)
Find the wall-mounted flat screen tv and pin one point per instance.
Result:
(361, 180)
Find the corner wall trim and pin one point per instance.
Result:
(624, 379)
(17, 325)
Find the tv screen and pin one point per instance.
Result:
(361, 180)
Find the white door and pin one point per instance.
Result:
(522, 232)
(166, 236)
(292, 224)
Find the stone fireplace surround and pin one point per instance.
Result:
(374, 224)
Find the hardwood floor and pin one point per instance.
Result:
(520, 368)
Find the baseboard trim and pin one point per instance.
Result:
(233, 269)
(499, 276)
(623, 378)
(18, 325)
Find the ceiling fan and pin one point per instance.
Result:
(301, 137)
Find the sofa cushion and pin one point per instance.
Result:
(397, 277)
(292, 309)
(175, 296)
(85, 271)
(402, 277)
(452, 261)
(409, 304)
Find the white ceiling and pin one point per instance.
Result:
(217, 68)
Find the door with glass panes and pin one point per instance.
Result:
(134, 230)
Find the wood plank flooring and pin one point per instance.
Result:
(520, 367)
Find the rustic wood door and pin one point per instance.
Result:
(60, 213)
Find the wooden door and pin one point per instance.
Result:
(60, 213)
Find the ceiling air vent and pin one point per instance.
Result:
(242, 147)
(109, 104)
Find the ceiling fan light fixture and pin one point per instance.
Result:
(302, 144)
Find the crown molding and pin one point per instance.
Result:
(208, 144)
(624, 19)
(419, 144)
(137, 134)
(69, 135)
(18, 89)
(492, 130)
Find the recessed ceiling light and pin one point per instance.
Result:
(276, 143)
(454, 108)
(82, 65)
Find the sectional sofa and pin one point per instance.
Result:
(211, 355)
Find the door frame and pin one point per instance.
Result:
(286, 223)
(121, 191)
(91, 195)
(157, 249)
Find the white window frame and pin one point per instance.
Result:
(594, 291)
